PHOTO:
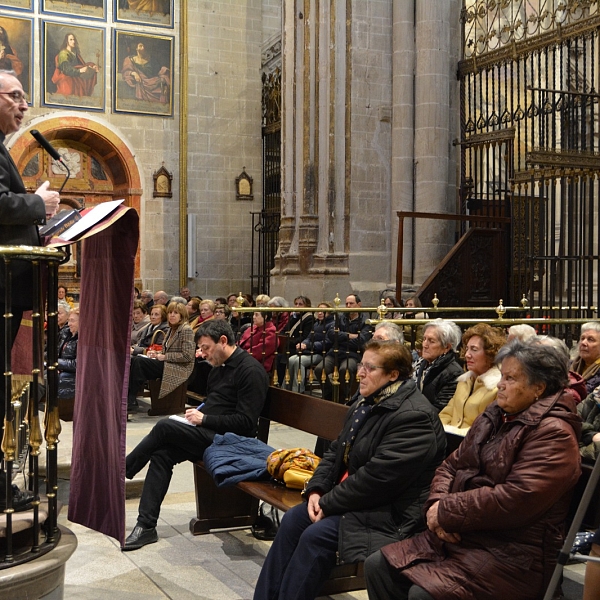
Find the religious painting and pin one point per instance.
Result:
(73, 73)
(143, 74)
(16, 42)
(88, 9)
(146, 12)
(17, 4)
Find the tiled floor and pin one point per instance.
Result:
(218, 566)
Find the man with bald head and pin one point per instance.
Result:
(20, 213)
(161, 297)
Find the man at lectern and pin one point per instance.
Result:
(20, 213)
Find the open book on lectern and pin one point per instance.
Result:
(88, 219)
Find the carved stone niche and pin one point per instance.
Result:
(243, 186)
(163, 184)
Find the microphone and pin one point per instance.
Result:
(51, 150)
(45, 144)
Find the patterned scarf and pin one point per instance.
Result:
(361, 413)
(579, 367)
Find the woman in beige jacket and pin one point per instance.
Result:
(477, 387)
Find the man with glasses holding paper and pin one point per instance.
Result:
(20, 213)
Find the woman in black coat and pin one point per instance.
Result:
(370, 486)
(67, 358)
(437, 369)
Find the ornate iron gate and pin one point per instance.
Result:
(529, 140)
(265, 224)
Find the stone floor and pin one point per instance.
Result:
(218, 566)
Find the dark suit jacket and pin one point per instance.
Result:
(20, 213)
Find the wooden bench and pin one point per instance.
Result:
(218, 508)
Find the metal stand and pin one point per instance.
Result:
(565, 553)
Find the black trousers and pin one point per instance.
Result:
(141, 370)
(385, 582)
(169, 443)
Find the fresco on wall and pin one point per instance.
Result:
(95, 9)
(142, 74)
(16, 41)
(73, 66)
(147, 12)
(20, 4)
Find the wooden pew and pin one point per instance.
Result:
(237, 506)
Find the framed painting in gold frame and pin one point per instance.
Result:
(17, 4)
(83, 9)
(158, 13)
(142, 80)
(16, 42)
(73, 71)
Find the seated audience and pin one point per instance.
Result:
(221, 300)
(207, 311)
(149, 335)
(436, 372)
(63, 294)
(592, 571)
(239, 321)
(161, 297)
(148, 299)
(497, 505)
(193, 310)
(388, 332)
(477, 387)
(62, 317)
(370, 485)
(260, 340)
(262, 300)
(184, 292)
(139, 320)
(222, 312)
(311, 349)
(413, 337)
(587, 361)
(392, 304)
(353, 334)
(589, 411)
(521, 332)
(280, 319)
(298, 327)
(67, 358)
(172, 365)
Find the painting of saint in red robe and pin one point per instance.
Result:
(72, 75)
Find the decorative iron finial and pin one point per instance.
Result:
(435, 301)
(337, 301)
(240, 300)
(524, 301)
(381, 310)
(500, 310)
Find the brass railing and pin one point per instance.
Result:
(545, 319)
(36, 531)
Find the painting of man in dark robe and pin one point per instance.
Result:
(15, 48)
(144, 83)
(71, 79)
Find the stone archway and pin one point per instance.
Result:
(103, 167)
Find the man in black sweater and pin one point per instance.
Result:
(236, 392)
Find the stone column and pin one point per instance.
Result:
(403, 133)
(435, 95)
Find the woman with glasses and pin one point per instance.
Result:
(370, 485)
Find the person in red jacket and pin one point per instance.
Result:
(260, 340)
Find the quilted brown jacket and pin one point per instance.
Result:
(180, 353)
(506, 491)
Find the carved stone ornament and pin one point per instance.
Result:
(243, 186)
(163, 181)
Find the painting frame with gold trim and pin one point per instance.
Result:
(25, 5)
(156, 13)
(16, 44)
(68, 79)
(82, 9)
(142, 73)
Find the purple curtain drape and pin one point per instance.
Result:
(97, 494)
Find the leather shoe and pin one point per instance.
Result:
(21, 500)
(139, 537)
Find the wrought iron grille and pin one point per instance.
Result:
(529, 140)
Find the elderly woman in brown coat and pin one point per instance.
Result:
(173, 364)
(497, 505)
